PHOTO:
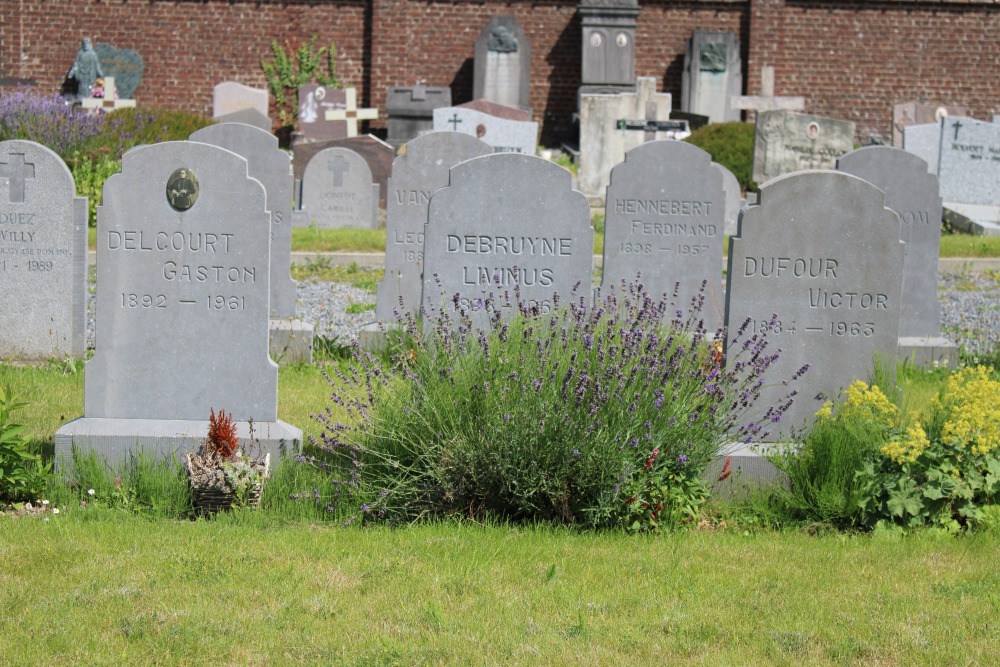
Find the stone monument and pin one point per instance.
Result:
(713, 73)
(608, 58)
(785, 142)
(503, 64)
(411, 111)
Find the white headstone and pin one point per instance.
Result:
(337, 190)
(506, 129)
(229, 97)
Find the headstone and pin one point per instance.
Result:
(182, 305)
(350, 114)
(664, 217)
(377, 154)
(713, 73)
(767, 100)
(269, 165)
(924, 141)
(506, 129)
(734, 198)
(920, 113)
(43, 255)
(821, 252)
(503, 64)
(912, 193)
(106, 98)
(970, 161)
(416, 174)
(314, 101)
(608, 59)
(230, 96)
(411, 111)
(604, 142)
(511, 217)
(785, 142)
(337, 191)
(247, 117)
(125, 66)
(694, 120)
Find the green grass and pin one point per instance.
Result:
(964, 245)
(110, 589)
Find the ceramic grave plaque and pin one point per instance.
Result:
(416, 174)
(337, 191)
(821, 252)
(970, 161)
(43, 255)
(314, 101)
(785, 141)
(664, 217)
(506, 219)
(230, 96)
(269, 165)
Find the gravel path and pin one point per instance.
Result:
(970, 309)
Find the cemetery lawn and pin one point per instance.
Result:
(114, 589)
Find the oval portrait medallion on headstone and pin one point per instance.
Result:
(940, 113)
(622, 40)
(321, 93)
(595, 39)
(182, 189)
(812, 131)
(480, 131)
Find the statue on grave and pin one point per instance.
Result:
(502, 40)
(86, 69)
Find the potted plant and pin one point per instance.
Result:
(223, 475)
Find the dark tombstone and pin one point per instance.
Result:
(503, 64)
(124, 65)
(608, 59)
(411, 111)
(314, 101)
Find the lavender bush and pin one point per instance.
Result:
(549, 416)
(47, 120)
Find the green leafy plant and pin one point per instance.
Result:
(90, 172)
(664, 495)
(731, 145)
(22, 474)
(291, 68)
(945, 471)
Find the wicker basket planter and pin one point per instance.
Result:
(216, 495)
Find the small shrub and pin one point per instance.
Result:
(731, 145)
(944, 470)
(546, 417)
(22, 474)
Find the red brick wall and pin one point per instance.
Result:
(849, 59)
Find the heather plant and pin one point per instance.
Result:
(544, 416)
(943, 470)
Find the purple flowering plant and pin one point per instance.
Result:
(543, 416)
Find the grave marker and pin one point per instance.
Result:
(43, 255)
(785, 142)
(511, 217)
(315, 101)
(920, 113)
(337, 191)
(411, 111)
(924, 141)
(108, 101)
(506, 129)
(503, 64)
(821, 252)
(416, 174)
(664, 217)
(230, 96)
(182, 305)
(970, 161)
(608, 58)
(351, 114)
(713, 73)
(767, 100)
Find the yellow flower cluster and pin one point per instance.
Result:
(864, 402)
(973, 404)
(906, 450)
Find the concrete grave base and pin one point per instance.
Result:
(975, 219)
(290, 341)
(116, 439)
(930, 352)
(750, 470)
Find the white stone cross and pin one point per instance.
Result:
(108, 102)
(352, 114)
(766, 101)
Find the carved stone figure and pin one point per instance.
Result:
(502, 40)
(86, 69)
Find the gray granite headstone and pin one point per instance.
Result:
(43, 255)
(337, 191)
(970, 161)
(713, 73)
(820, 251)
(183, 247)
(734, 198)
(411, 111)
(664, 217)
(230, 96)
(785, 141)
(376, 153)
(269, 165)
(416, 174)
(913, 194)
(123, 65)
(920, 113)
(507, 218)
(314, 101)
(506, 129)
(247, 117)
(503, 64)
(924, 141)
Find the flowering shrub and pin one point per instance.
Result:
(549, 416)
(47, 120)
(945, 471)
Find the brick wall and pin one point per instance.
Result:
(849, 59)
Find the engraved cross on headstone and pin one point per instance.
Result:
(454, 120)
(352, 114)
(339, 166)
(17, 171)
(957, 125)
